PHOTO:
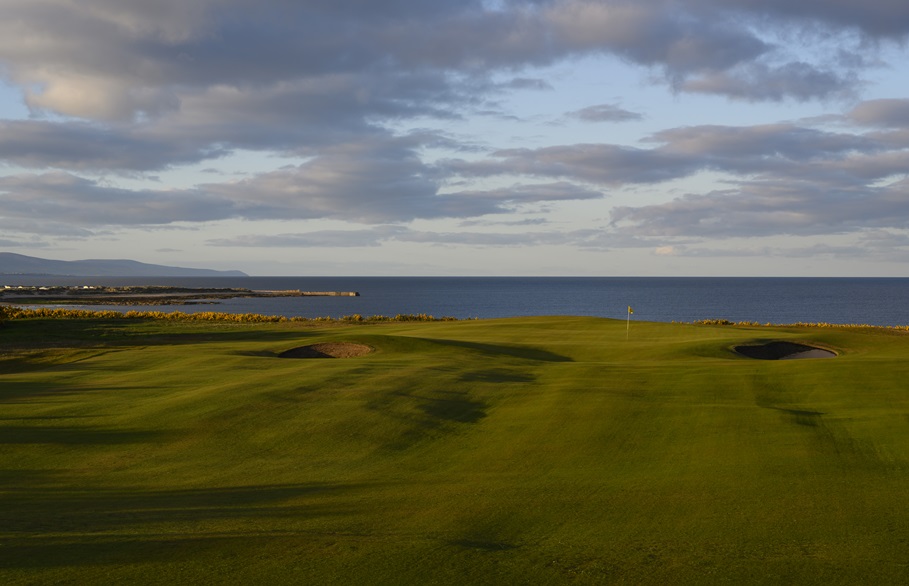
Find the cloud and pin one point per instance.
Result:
(889, 113)
(859, 250)
(765, 151)
(28, 229)
(601, 164)
(81, 146)
(25, 243)
(605, 113)
(535, 193)
(525, 83)
(652, 34)
(874, 18)
(766, 208)
(378, 235)
(83, 202)
(370, 237)
(756, 82)
(365, 183)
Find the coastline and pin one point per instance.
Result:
(144, 295)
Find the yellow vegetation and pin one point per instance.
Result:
(11, 312)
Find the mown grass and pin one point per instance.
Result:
(532, 450)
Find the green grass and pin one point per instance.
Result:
(532, 450)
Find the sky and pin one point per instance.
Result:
(468, 137)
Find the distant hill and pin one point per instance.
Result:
(18, 264)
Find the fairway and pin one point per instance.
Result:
(543, 450)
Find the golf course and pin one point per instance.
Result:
(537, 450)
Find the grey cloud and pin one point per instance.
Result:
(559, 191)
(208, 127)
(773, 150)
(786, 151)
(306, 115)
(17, 243)
(525, 83)
(525, 222)
(761, 82)
(375, 186)
(84, 202)
(44, 227)
(377, 236)
(318, 239)
(815, 251)
(885, 239)
(766, 208)
(367, 182)
(876, 18)
(99, 62)
(90, 147)
(605, 113)
(594, 163)
(588, 239)
(653, 34)
(483, 239)
(763, 140)
(857, 169)
(890, 113)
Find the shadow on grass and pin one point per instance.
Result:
(497, 376)
(425, 413)
(484, 545)
(80, 333)
(524, 352)
(38, 392)
(455, 407)
(13, 434)
(803, 416)
(49, 527)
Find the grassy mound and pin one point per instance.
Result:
(533, 450)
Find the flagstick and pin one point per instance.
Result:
(628, 323)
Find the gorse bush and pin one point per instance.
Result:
(11, 312)
(6, 312)
(726, 322)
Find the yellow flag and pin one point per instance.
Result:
(630, 311)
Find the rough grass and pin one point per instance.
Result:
(533, 450)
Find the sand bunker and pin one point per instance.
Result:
(783, 351)
(328, 350)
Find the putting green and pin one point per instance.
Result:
(535, 450)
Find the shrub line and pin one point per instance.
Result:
(12, 312)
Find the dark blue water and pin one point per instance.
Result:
(875, 301)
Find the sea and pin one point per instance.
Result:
(781, 300)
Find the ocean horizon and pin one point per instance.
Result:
(877, 301)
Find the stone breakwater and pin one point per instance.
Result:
(296, 293)
(144, 295)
